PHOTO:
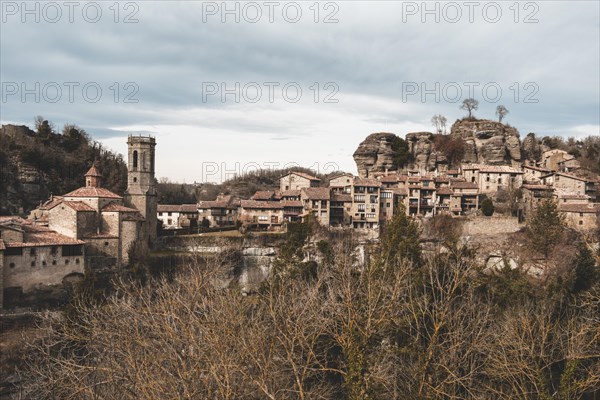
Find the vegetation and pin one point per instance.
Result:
(403, 325)
(546, 227)
(487, 207)
(501, 112)
(402, 156)
(470, 105)
(452, 146)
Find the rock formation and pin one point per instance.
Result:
(488, 142)
(484, 142)
(375, 154)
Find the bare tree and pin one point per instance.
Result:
(501, 112)
(470, 104)
(439, 122)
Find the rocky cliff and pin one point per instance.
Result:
(375, 154)
(488, 142)
(469, 141)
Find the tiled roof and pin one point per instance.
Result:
(536, 187)
(40, 236)
(93, 172)
(504, 169)
(444, 191)
(168, 207)
(393, 178)
(291, 203)
(400, 191)
(345, 198)
(579, 207)
(11, 218)
(464, 185)
(561, 194)
(253, 204)
(188, 208)
(366, 182)
(317, 193)
(114, 207)
(539, 169)
(265, 195)
(442, 178)
(572, 177)
(93, 192)
(303, 175)
(290, 193)
(74, 205)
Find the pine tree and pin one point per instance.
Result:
(546, 227)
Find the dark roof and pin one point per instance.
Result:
(114, 207)
(536, 187)
(444, 191)
(168, 207)
(464, 185)
(274, 205)
(366, 182)
(74, 205)
(290, 193)
(345, 198)
(93, 192)
(265, 195)
(317, 193)
(291, 203)
(579, 207)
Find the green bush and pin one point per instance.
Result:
(487, 207)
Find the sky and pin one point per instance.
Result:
(231, 87)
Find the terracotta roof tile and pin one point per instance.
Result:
(114, 207)
(74, 205)
(464, 185)
(168, 207)
(265, 195)
(317, 193)
(291, 203)
(536, 187)
(400, 191)
(444, 191)
(93, 192)
(254, 204)
(579, 207)
(35, 235)
(290, 193)
(344, 198)
(93, 172)
(303, 175)
(366, 182)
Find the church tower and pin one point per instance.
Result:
(141, 188)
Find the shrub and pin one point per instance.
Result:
(487, 207)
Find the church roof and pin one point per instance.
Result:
(114, 207)
(40, 236)
(93, 192)
(93, 172)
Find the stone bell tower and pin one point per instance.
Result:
(141, 188)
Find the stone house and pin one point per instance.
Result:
(316, 201)
(572, 183)
(492, 178)
(580, 216)
(532, 174)
(365, 203)
(532, 195)
(169, 215)
(35, 257)
(297, 180)
(464, 198)
(340, 209)
(552, 158)
(341, 183)
(261, 215)
(220, 212)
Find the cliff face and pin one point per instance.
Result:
(375, 154)
(483, 141)
(488, 142)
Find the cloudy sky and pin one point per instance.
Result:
(228, 87)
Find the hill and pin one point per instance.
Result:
(35, 164)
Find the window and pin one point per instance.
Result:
(32, 251)
(33, 263)
(169, 214)
(54, 250)
(12, 265)
(53, 262)
(170, 221)
(580, 222)
(106, 243)
(499, 180)
(69, 251)
(43, 263)
(387, 205)
(581, 215)
(66, 261)
(160, 214)
(263, 218)
(77, 261)
(13, 251)
(274, 219)
(135, 159)
(361, 207)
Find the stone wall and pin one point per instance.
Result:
(494, 225)
(44, 266)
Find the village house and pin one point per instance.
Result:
(261, 215)
(316, 201)
(221, 212)
(561, 180)
(581, 216)
(297, 180)
(551, 159)
(178, 216)
(532, 195)
(493, 178)
(34, 257)
(533, 174)
(365, 203)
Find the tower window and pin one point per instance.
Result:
(135, 159)
(134, 179)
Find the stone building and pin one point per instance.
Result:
(492, 178)
(220, 212)
(297, 180)
(316, 201)
(581, 216)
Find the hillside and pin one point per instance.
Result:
(35, 164)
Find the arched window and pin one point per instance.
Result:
(135, 159)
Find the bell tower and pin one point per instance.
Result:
(141, 189)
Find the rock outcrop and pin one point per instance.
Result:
(425, 157)
(488, 142)
(483, 141)
(375, 154)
